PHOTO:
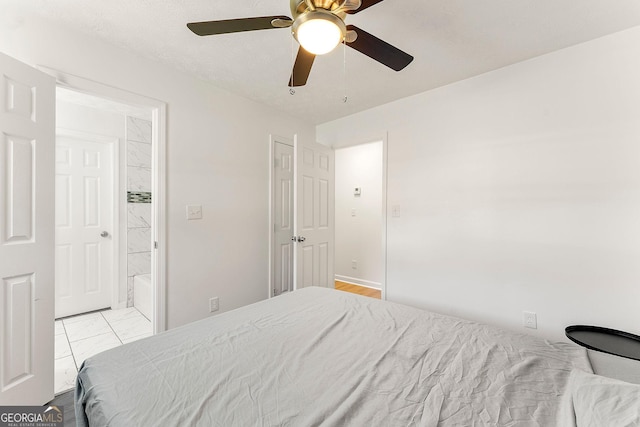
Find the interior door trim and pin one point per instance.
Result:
(384, 138)
(159, 180)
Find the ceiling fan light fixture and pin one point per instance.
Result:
(319, 31)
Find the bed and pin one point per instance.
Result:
(324, 357)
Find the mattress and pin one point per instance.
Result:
(324, 357)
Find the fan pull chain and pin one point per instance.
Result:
(344, 69)
(292, 91)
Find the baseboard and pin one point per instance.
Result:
(359, 282)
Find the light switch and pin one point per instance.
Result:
(194, 211)
(357, 191)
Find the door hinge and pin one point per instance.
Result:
(155, 245)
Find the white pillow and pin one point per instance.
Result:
(595, 401)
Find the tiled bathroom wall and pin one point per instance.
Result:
(138, 201)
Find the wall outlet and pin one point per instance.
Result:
(214, 304)
(395, 211)
(529, 320)
(354, 264)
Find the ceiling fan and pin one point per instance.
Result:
(318, 25)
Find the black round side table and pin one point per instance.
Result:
(606, 340)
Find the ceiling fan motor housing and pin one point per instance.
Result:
(299, 7)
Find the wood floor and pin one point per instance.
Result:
(360, 290)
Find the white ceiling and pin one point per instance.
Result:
(450, 40)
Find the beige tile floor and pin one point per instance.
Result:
(85, 335)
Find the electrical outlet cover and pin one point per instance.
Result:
(214, 304)
(529, 320)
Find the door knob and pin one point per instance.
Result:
(294, 238)
(301, 239)
(104, 234)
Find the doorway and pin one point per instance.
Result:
(360, 218)
(369, 161)
(27, 236)
(301, 200)
(104, 236)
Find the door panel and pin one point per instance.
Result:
(20, 187)
(91, 268)
(323, 207)
(63, 209)
(84, 209)
(27, 128)
(323, 263)
(307, 265)
(91, 201)
(20, 308)
(307, 203)
(314, 215)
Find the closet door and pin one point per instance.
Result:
(283, 245)
(315, 204)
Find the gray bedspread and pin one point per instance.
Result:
(324, 357)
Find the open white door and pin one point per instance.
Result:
(283, 245)
(315, 199)
(27, 152)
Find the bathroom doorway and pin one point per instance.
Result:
(105, 228)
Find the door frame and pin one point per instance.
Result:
(158, 179)
(296, 144)
(118, 192)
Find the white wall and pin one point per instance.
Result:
(518, 190)
(359, 237)
(218, 156)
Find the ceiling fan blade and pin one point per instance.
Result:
(302, 68)
(379, 50)
(209, 28)
(365, 4)
(348, 5)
